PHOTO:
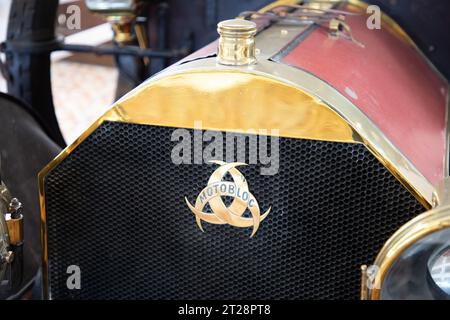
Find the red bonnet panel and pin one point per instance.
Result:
(390, 82)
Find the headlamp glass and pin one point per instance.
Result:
(422, 271)
(439, 268)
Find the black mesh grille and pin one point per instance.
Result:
(115, 207)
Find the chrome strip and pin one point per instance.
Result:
(271, 41)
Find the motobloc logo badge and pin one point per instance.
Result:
(237, 189)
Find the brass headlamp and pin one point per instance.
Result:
(415, 262)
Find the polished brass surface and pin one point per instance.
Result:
(227, 100)
(15, 229)
(364, 292)
(44, 251)
(221, 214)
(236, 42)
(120, 15)
(142, 38)
(442, 194)
(418, 228)
(123, 31)
(266, 95)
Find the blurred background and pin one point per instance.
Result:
(84, 84)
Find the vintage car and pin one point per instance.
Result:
(302, 155)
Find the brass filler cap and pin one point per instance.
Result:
(236, 42)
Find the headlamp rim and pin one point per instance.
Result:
(410, 233)
(435, 288)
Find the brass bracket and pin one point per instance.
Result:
(14, 221)
(364, 278)
(122, 28)
(338, 28)
(15, 229)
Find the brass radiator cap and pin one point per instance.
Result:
(237, 42)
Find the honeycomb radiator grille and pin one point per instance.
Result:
(115, 207)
